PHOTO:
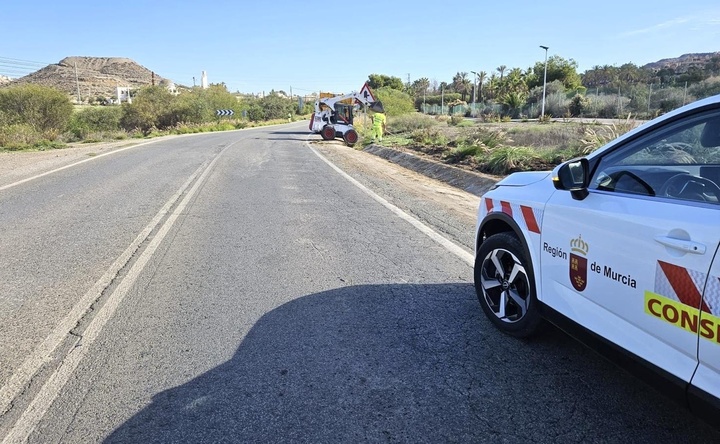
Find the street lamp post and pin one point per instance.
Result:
(542, 112)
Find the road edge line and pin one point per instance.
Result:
(425, 229)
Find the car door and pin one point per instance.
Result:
(636, 251)
(707, 378)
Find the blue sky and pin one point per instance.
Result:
(333, 46)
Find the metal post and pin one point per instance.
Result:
(77, 83)
(442, 100)
(542, 113)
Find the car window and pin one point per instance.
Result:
(680, 162)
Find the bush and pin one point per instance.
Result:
(706, 88)
(509, 159)
(460, 153)
(410, 122)
(429, 137)
(150, 109)
(578, 105)
(45, 109)
(18, 136)
(95, 120)
(456, 119)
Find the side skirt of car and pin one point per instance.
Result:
(700, 403)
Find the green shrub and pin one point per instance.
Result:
(456, 119)
(410, 122)
(460, 153)
(18, 136)
(96, 119)
(507, 159)
(45, 109)
(150, 110)
(429, 137)
(578, 105)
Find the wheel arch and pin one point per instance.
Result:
(499, 222)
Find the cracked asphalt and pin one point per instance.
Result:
(286, 305)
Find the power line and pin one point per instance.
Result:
(11, 67)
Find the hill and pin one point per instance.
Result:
(685, 61)
(96, 77)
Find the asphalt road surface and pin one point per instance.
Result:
(235, 287)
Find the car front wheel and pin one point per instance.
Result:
(505, 285)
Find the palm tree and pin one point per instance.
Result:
(514, 100)
(482, 76)
(501, 69)
(461, 83)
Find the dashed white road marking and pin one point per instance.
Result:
(37, 408)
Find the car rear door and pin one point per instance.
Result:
(706, 382)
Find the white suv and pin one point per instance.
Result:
(620, 249)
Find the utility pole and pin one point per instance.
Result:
(77, 83)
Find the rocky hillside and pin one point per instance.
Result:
(685, 61)
(96, 76)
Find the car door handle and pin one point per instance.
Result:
(681, 244)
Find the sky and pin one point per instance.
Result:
(310, 46)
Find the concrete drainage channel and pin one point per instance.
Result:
(474, 183)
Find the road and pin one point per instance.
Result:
(237, 287)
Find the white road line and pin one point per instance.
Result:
(37, 176)
(22, 429)
(432, 234)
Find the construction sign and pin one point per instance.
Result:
(366, 93)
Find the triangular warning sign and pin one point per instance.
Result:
(366, 94)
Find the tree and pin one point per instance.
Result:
(501, 69)
(395, 102)
(461, 83)
(377, 81)
(151, 108)
(482, 76)
(420, 87)
(514, 101)
(557, 69)
(276, 107)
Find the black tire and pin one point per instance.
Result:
(507, 295)
(328, 132)
(350, 137)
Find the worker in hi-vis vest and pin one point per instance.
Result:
(379, 123)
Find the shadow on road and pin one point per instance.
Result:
(409, 363)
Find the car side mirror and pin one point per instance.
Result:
(573, 176)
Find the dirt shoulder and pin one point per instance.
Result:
(19, 165)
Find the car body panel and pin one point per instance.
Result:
(634, 267)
